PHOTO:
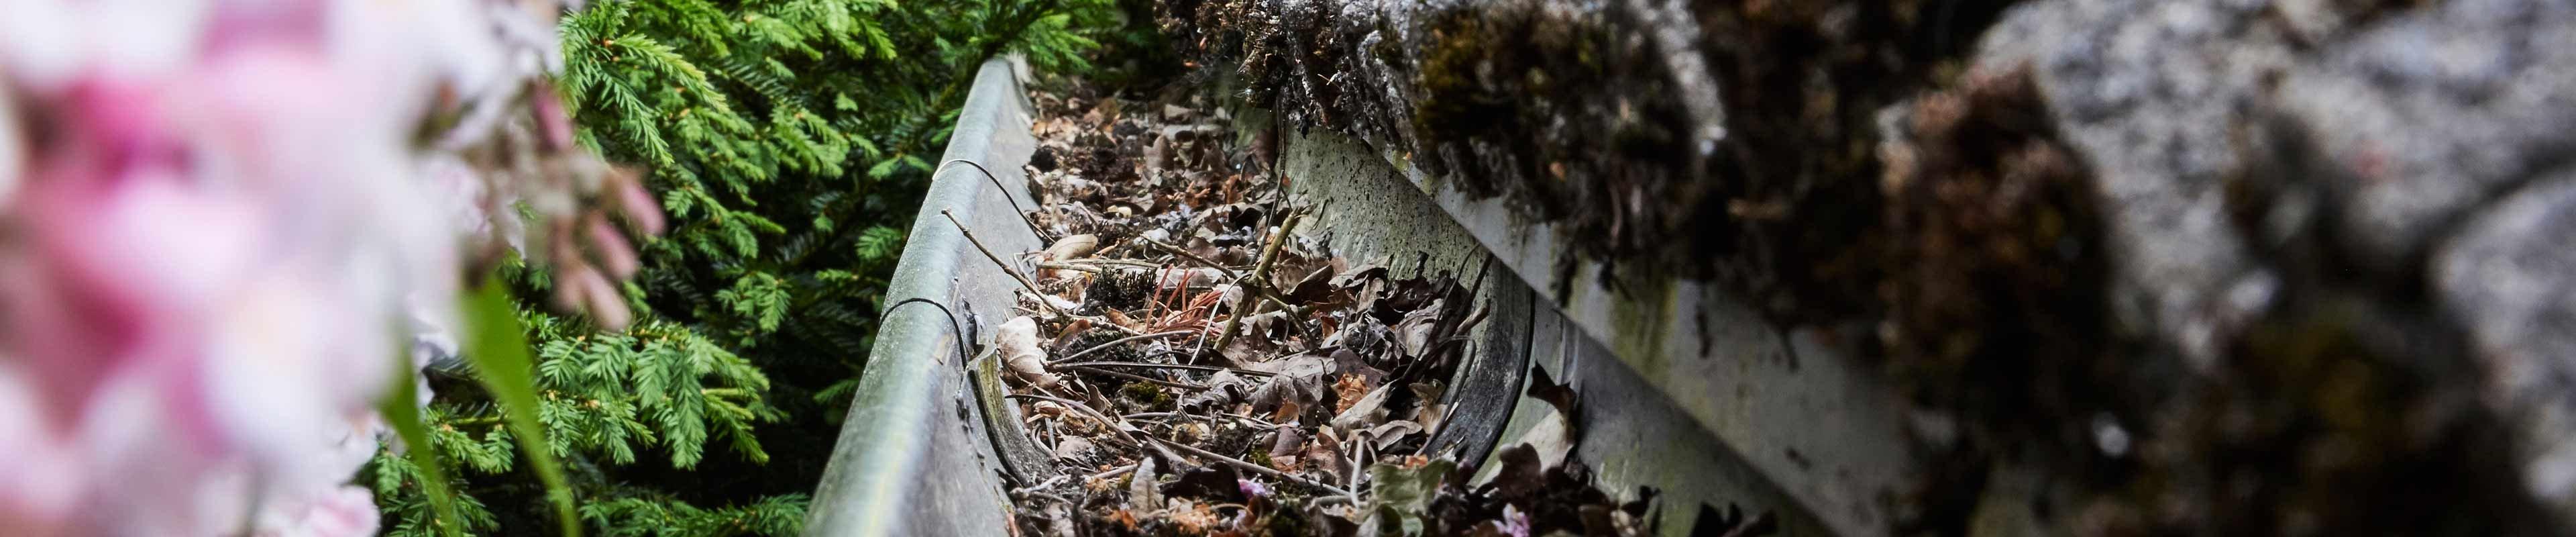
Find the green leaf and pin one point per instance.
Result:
(1402, 492)
(499, 349)
(884, 168)
(402, 410)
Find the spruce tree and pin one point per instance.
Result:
(788, 141)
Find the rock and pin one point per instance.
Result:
(2149, 93)
(2429, 115)
(1708, 140)
(2510, 280)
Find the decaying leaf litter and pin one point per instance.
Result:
(1194, 370)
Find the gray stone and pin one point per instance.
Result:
(2508, 279)
(2149, 93)
(2424, 117)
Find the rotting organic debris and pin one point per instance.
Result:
(1193, 371)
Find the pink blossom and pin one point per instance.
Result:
(221, 230)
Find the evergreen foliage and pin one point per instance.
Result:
(788, 140)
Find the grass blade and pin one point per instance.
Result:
(401, 409)
(498, 347)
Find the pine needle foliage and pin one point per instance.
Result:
(789, 141)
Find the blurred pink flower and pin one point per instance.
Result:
(221, 228)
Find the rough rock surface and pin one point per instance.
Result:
(2219, 266)
(2505, 277)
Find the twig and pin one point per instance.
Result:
(1095, 265)
(1254, 468)
(1245, 419)
(1166, 366)
(1265, 291)
(997, 187)
(1260, 274)
(1070, 357)
(1116, 426)
(997, 261)
(1185, 254)
(1113, 472)
(1142, 378)
(1094, 269)
(1047, 484)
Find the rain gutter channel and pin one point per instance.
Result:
(919, 455)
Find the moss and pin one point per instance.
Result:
(1119, 289)
(2004, 280)
(1124, 352)
(1150, 396)
(1573, 113)
(2324, 424)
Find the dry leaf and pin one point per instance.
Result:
(1070, 247)
(1415, 331)
(1141, 491)
(1017, 343)
(1190, 432)
(1073, 449)
(1326, 453)
(1287, 412)
(1073, 247)
(1428, 410)
(1369, 409)
(1121, 320)
(1347, 392)
(1048, 409)
(1285, 446)
(1391, 432)
(1193, 278)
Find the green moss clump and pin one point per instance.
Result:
(1152, 397)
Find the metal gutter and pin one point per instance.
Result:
(913, 458)
(1716, 414)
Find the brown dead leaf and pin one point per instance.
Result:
(1073, 247)
(1346, 362)
(1196, 519)
(1348, 391)
(1017, 343)
(1367, 411)
(1121, 320)
(1071, 330)
(1073, 449)
(1415, 332)
(1428, 410)
(1192, 278)
(1125, 518)
(1388, 434)
(1141, 489)
(1048, 408)
(1287, 412)
(1285, 445)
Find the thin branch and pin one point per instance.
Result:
(1254, 468)
(1115, 425)
(1094, 269)
(1260, 277)
(997, 261)
(1095, 348)
(1240, 417)
(1113, 472)
(1264, 290)
(1185, 254)
(1142, 378)
(1166, 366)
